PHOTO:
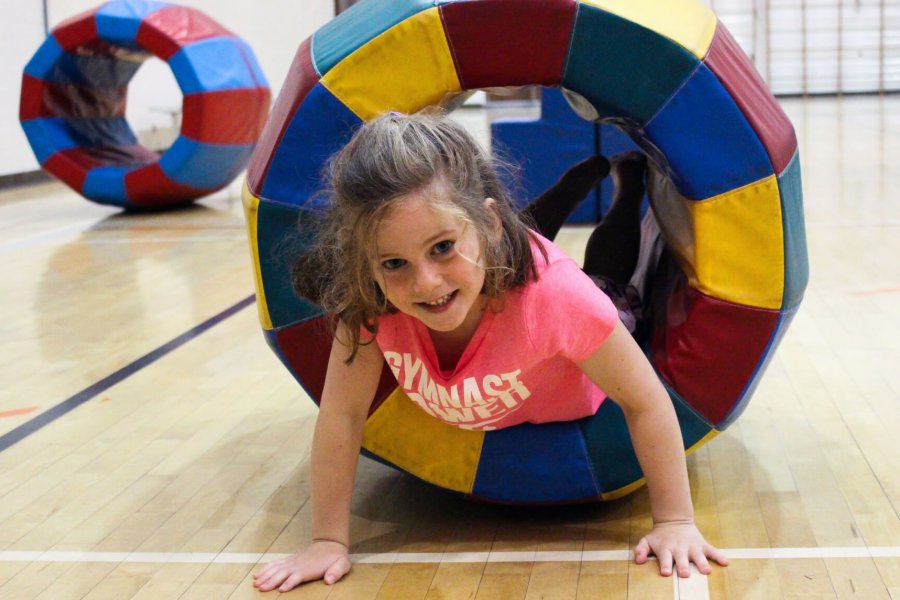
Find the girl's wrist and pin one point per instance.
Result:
(687, 521)
(332, 540)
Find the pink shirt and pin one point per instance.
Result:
(520, 366)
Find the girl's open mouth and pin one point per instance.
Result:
(440, 304)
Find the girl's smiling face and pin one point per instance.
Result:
(429, 263)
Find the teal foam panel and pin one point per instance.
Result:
(610, 449)
(796, 261)
(624, 70)
(356, 26)
(280, 241)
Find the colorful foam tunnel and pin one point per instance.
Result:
(74, 92)
(726, 192)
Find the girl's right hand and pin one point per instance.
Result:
(321, 560)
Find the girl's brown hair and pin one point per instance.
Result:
(388, 158)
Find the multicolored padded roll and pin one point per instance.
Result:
(74, 93)
(726, 192)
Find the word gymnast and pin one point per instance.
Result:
(470, 404)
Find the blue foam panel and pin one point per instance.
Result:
(710, 146)
(228, 64)
(107, 184)
(200, 165)
(47, 136)
(541, 463)
(118, 22)
(545, 148)
(321, 126)
(44, 59)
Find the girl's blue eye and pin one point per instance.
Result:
(392, 264)
(443, 247)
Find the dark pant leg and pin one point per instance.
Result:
(550, 210)
(613, 248)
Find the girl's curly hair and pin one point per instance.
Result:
(388, 158)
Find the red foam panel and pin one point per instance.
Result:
(77, 30)
(87, 158)
(164, 32)
(31, 101)
(307, 346)
(149, 186)
(729, 63)
(301, 78)
(68, 167)
(709, 349)
(41, 98)
(509, 42)
(215, 117)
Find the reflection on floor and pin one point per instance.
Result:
(205, 450)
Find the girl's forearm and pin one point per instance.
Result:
(660, 451)
(620, 368)
(335, 452)
(346, 397)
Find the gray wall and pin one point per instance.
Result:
(273, 28)
(799, 46)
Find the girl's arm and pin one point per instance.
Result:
(620, 369)
(346, 398)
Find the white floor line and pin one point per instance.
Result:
(436, 557)
(695, 587)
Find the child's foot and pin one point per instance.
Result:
(628, 172)
(581, 178)
(550, 210)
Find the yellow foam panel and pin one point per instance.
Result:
(403, 69)
(730, 246)
(251, 210)
(687, 22)
(403, 434)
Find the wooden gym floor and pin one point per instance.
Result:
(151, 446)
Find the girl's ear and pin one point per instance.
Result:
(496, 231)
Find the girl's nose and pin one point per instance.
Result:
(428, 279)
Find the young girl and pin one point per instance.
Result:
(427, 263)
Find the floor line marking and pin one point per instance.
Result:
(435, 557)
(876, 292)
(695, 587)
(18, 412)
(45, 418)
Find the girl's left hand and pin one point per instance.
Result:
(679, 542)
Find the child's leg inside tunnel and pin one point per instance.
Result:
(613, 248)
(550, 210)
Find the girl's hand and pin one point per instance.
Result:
(321, 560)
(681, 542)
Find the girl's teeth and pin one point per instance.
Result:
(440, 301)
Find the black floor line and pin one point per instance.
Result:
(25, 429)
